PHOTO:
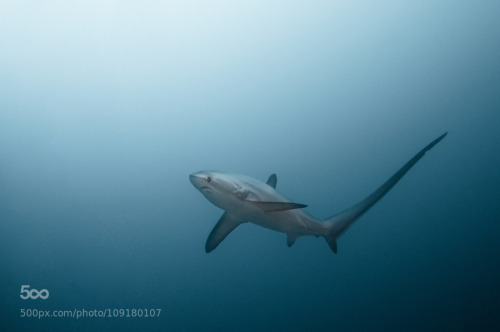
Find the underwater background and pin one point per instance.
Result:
(107, 106)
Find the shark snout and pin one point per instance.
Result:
(198, 180)
(195, 179)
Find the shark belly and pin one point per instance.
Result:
(289, 222)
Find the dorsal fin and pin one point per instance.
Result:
(272, 180)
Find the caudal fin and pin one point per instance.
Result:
(339, 223)
(331, 239)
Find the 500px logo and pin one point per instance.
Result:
(33, 293)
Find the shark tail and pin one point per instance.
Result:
(337, 225)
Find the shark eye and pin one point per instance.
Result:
(209, 179)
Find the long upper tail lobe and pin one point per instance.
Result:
(339, 223)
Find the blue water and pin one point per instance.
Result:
(106, 107)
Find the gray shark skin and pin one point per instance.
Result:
(245, 199)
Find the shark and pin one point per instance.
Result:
(245, 199)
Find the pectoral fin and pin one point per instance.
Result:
(278, 206)
(226, 224)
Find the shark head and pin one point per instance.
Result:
(215, 186)
(236, 192)
(202, 181)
